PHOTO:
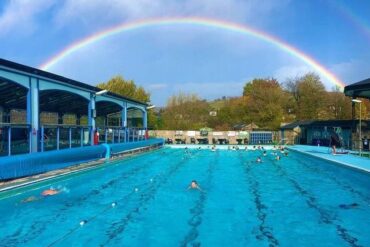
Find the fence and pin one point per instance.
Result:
(217, 137)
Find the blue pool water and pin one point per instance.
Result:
(297, 201)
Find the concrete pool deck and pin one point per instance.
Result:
(349, 160)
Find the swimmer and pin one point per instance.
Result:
(264, 153)
(259, 160)
(30, 199)
(277, 157)
(194, 185)
(45, 193)
(286, 153)
(50, 192)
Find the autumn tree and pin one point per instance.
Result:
(264, 102)
(126, 88)
(310, 96)
(185, 112)
(129, 89)
(338, 106)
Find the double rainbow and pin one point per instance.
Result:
(206, 22)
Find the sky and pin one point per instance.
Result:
(168, 59)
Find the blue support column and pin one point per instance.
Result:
(70, 137)
(106, 135)
(42, 138)
(81, 136)
(91, 117)
(29, 139)
(33, 113)
(113, 130)
(126, 135)
(119, 135)
(9, 140)
(145, 119)
(124, 120)
(58, 137)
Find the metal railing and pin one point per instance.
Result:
(60, 136)
(14, 138)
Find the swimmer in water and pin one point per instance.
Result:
(277, 157)
(194, 185)
(50, 192)
(264, 153)
(45, 193)
(259, 160)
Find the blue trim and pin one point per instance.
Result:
(31, 164)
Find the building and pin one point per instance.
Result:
(354, 134)
(42, 111)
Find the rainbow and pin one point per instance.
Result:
(212, 23)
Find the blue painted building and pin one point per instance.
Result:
(41, 111)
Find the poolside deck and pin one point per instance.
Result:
(350, 160)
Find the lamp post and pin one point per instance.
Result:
(359, 101)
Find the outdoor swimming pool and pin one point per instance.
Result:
(297, 201)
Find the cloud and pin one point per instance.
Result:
(157, 86)
(102, 12)
(352, 71)
(19, 16)
(293, 71)
(207, 90)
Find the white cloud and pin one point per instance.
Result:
(206, 90)
(352, 71)
(291, 71)
(20, 15)
(297, 70)
(157, 86)
(100, 12)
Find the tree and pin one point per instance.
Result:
(129, 89)
(264, 102)
(309, 93)
(338, 106)
(185, 112)
(125, 88)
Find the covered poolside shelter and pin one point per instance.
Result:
(359, 89)
(42, 111)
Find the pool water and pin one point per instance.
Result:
(144, 201)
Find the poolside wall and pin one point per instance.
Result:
(186, 135)
(35, 163)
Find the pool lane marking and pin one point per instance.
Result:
(196, 218)
(326, 174)
(311, 201)
(40, 226)
(265, 230)
(345, 164)
(66, 176)
(110, 183)
(120, 226)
